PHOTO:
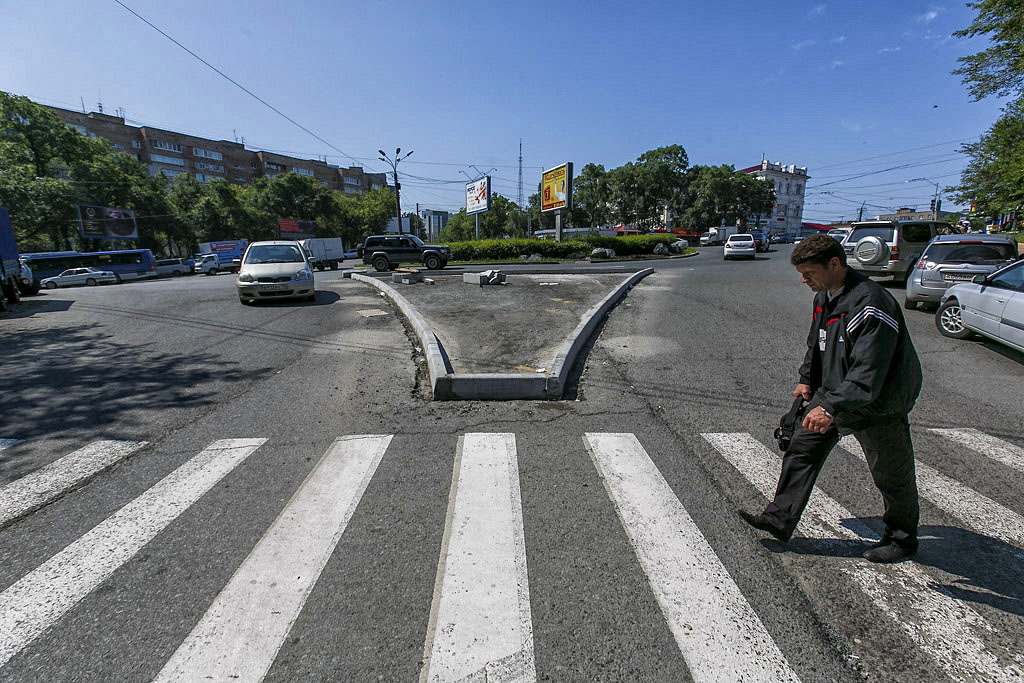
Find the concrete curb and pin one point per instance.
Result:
(447, 385)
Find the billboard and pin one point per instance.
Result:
(478, 195)
(556, 188)
(291, 229)
(107, 223)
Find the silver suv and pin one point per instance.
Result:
(949, 259)
(889, 247)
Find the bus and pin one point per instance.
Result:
(128, 264)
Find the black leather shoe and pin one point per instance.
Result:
(887, 554)
(761, 522)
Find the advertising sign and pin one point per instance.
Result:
(556, 188)
(291, 229)
(107, 223)
(478, 195)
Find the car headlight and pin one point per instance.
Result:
(304, 275)
(246, 277)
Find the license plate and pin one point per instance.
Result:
(272, 288)
(958, 277)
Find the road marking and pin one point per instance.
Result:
(33, 491)
(943, 627)
(37, 600)
(989, 446)
(719, 634)
(480, 623)
(7, 443)
(977, 511)
(241, 633)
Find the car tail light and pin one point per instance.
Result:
(895, 251)
(727, 245)
(921, 264)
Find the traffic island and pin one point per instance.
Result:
(531, 329)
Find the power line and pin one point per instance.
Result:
(236, 83)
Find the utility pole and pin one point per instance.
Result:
(519, 197)
(860, 213)
(394, 168)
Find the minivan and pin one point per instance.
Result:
(889, 247)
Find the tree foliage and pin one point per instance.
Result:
(994, 176)
(998, 70)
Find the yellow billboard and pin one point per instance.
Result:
(556, 188)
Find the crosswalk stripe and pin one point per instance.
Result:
(719, 634)
(941, 626)
(37, 600)
(48, 483)
(480, 622)
(977, 511)
(241, 633)
(989, 446)
(7, 443)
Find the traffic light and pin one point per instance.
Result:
(931, 205)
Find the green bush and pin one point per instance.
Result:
(512, 249)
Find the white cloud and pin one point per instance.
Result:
(838, 39)
(837, 63)
(889, 49)
(816, 11)
(805, 43)
(855, 126)
(929, 16)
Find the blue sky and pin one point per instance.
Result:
(844, 88)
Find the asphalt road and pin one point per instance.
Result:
(698, 350)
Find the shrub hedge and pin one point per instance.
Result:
(512, 248)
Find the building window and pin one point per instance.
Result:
(781, 210)
(375, 186)
(170, 173)
(239, 167)
(160, 158)
(274, 167)
(323, 182)
(136, 144)
(352, 190)
(80, 129)
(351, 181)
(205, 177)
(240, 178)
(116, 145)
(200, 152)
(301, 171)
(204, 166)
(167, 146)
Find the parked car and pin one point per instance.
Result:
(739, 245)
(278, 269)
(26, 280)
(949, 259)
(889, 247)
(839, 234)
(173, 267)
(79, 276)
(385, 252)
(760, 241)
(990, 305)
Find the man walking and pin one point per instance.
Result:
(860, 376)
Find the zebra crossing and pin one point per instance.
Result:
(480, 624)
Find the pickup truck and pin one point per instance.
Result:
(385, 252)
(211, 264)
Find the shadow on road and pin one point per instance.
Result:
(323, 298)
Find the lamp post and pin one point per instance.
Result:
(394, 169)
(936, 201)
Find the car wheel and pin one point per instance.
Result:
(432, 262)
(117, 279)
(949, 322)
(380, 264)
(909, 305)
(176, 273)
(212, 271)
(51, 285)
(334, 265)
(311, 297)
(11, 293)
(90, 283)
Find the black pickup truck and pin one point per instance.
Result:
(386, 252)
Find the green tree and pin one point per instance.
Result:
(994, 175)
(591, 197)
(998, 70)
(717, 195)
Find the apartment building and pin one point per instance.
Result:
(790, 185)
(173, 153)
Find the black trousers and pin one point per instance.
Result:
(890, 456)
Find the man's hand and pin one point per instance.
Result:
(817, 421)
(802, 390)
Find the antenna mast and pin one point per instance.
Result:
(519, 198)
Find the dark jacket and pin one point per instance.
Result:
(860, 356)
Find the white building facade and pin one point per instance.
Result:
(790, 187)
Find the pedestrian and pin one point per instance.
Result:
(860, 376)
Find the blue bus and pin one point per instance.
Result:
(128, 264)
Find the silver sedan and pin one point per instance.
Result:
(991, 305)
(79, 276)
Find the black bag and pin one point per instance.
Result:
(788, 423)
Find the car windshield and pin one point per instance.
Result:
(977, 253)
(882, 231)
(274, 253)
(416, 240)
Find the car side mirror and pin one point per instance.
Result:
(979, 279)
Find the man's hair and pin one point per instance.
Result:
(819, 249)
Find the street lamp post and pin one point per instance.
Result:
(936, 201)
(394, 169)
